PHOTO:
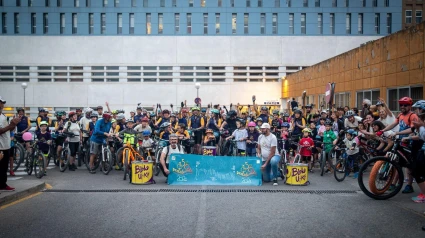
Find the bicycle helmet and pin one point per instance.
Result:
(242, 121)
(328, 123)
(146, 133)
(215, 111)
(145, 119)
(71, 114)
(405, 100)
(298, 112)
(139, 108)
(165, 124)
(349, 113)
(285, 124)
(275, 112)
(106, 116)
(252, 124)
(43, 123)
(120, 116)
(209, 131)
(88, 110)
(259, 119)
(232, 113)
(352, 132)
(264, 108)
(173, 115)
(114, 111)
(166, 111)
(195, 109)
(309, 106)
(40, 109)
(324, 111)
(132, 111)
(379, 103)
(184, 110)
(203, 110)
(121, 111)
(94, 114)
(419, 104)
(20, 109)
(113, 120)
(306, 130)
(129, 120)
(286, 114)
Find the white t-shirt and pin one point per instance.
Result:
(240, 134)
(266, 143)
(84, 122)
(349, 144)
(147, 143)
(5, 137)
(172, 151)
(388, 121)
(355, 124)
(74, 129)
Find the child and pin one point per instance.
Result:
(183, 134)
(240, 134)
(307, 144)
(130, 135)
(253, 135)
(329, 139)
(259, 122)
(385, 145)
(44, 140)
(209, 138)
(147, 141)
(285, 134)
(352, 151)
(166, 126)
(112, 131)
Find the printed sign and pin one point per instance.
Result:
(198, 101)
(297, 174)
(214, 170)
(142, 172)
(272, 102)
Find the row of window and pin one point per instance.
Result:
(151, 79)
(202, 3)
(145, 68)
(418, 16)
(160, 25)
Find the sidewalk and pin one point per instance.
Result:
(23, 188)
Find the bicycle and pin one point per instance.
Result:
(19, 152)
(386, 171)
(223, 135)
(160, 144)
(38, 160)
(129, 155)
(230, 148)
(65, 154)
(343, 166)
(325, 157)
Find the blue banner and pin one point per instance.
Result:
(214, 170)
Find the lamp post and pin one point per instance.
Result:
(197, 86)
(24, 86)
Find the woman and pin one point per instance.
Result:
(368, 132)
(73, 127)
(214, 124)
(60, 122)
(337, 124)
(385, 145)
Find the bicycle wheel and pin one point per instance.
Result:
(29, 163)
(87, 160)
(126, 162)
(18, 156)
(97, 160)
(341, 170)
(39, 163)
(56, 157)
(118, 158)
(380, 178)
(106, 162)
(282, 167)
(156, 168)
(65, 159)
(322, 162)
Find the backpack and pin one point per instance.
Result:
(168, 150)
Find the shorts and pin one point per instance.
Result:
(59, 141)
(94, 147)
(418, 167)
(306, 158)
(73, 147)
(12, 151)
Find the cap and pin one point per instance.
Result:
(2, 100)
(265, 125)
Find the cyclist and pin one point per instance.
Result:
(99, 110)
(405, 121)
(93, 117)
(132, 114)
(130, 135)
(297, 125)
(79, 112)
(101, 131)
(73, 126)
(337, 124)
(329, 139)
(309, 115)
(267, 150)
(144, 126)
(167, 131)
(183, 134)
(259, 122)
(138, 117)
(24, 124)
(351, 142)
(230, 121)
(44, 140)
(114, 114)
(173, 148)
(164, 119)
(173, 122)
(214, 124)
(307, 144)
(253, 135)
(42, 116)
(351, 120)
(209, 138)
(59, 123)
(276, 123)
(147, 141)
(120, 123)
(183, 117)
(84, 123)
(264, 114)
(240, 135)
(196, 123)
(385, 145)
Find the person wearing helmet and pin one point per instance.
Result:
(84, 122)
(79, 112)
(351, 142)
(138, 117)
(120, 123)
(329, 139)
(230, 121)
(197, 123)
(93, 119)
(214, 123)
(143, 126)
(42, 116)
(114, 114)
(132, 114)
(166, 131)
(209, 138)
(183, 116)
(351, 120)
(268, 152)
(100, 133)
(73, 127)
(253, 134)
(173, 122)
(285, 130)
(259, 122)
(44, 140)
(99, 110)
(276, 123)
(240, 135)
(264, 114)
(129, 135)
(165, 118)
(297, 125)
(307, 145)
(24, 124)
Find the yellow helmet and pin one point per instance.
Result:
(306, 130)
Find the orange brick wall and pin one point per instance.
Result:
(393, 61)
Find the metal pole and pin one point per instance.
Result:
(24, 99)
(197, 93)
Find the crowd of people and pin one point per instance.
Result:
(255, 131)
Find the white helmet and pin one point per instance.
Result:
(87, 110)
(120, 116)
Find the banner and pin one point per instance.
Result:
(214, 170)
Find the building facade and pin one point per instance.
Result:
(84, 52)
(412, 12)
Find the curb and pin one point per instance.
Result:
(21, 194)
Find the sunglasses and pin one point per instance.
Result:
(404, 105)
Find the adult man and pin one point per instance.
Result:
(99, 111)
(101, 131)
(79, 112)
(264, 114)
(138, 116)
(294, 104)
(5, 129)
(173, 148)
(165, 118)
(405, 122)
(267, 150)
(351, 121)
(308, 114)
(84, 124)
(366, 106)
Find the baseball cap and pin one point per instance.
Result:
(2, 100)
(265, 125)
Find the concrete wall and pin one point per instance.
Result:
(389, 62)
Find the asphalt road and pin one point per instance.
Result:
(205, 214)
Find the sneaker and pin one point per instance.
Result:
(356, 175)
(7, 189)
(275, 182)
(12, 173)
(45, 173)
(392, 188)
(419, 199)
(311, 171)
(117, 167)
(75, 167)
(71, 167)
(408, 189)
(328, 171)
(92, 171)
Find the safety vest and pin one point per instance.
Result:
(195, 121)
(23, 124)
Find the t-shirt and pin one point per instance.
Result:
(388, 121)
(252, 136)
(354, 124)
(406, 122)
(172, 151)
(42, 141)
(147, 143)
(328, 138)
(294, 104)
(84, 123)
(349, 144)
(74, 128)
(240, 134)
(266, 143)
(306, 143)
(5, 137)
